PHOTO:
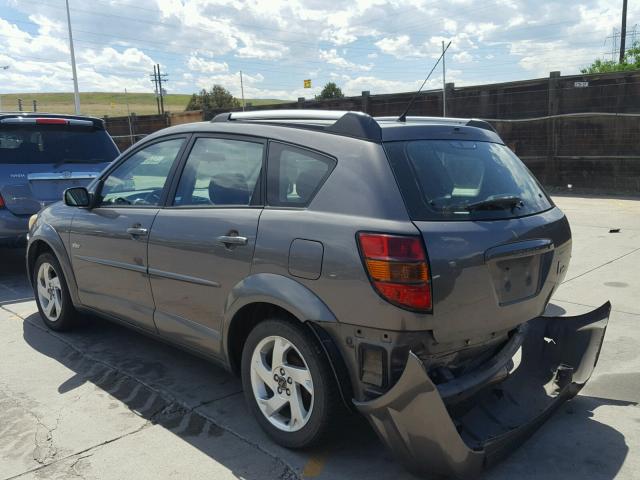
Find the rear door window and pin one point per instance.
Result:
(221, 172)
(294, 175)
(464, 180)
(54, 144)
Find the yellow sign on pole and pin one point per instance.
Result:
(307, 83)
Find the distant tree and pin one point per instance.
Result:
(217, 97)
(330, 90)
(631, 61)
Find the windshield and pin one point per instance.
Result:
(54, 145)
(464, 180)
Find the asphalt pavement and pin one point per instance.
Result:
(104, 402)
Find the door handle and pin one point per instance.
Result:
(137, 231)
(232, 240)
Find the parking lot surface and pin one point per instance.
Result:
(104, 402)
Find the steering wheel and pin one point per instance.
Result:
(152, 198)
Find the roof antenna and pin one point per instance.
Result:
(403, 117)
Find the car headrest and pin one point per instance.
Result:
(229, 189)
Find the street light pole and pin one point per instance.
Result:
(76, 93)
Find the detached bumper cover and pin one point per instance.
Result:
(557, 358)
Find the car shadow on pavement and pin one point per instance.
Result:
(165, 386)
(176, 390)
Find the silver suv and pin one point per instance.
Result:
(336, 262)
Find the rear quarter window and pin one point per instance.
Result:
(294, 175)
(464, 180)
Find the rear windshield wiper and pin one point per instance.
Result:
(501, 203)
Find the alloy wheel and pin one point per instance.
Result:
(282, 383)
(49, 291)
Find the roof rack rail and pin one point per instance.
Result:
(347, 123)
(469, 122)
(341, 122)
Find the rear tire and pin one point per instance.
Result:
(288, 384)
(52, 294)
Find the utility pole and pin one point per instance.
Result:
(155, 87)
(161, 77)
(126, 99)
(623, 30)
(444, 84)
(242, 90)
(76, 93)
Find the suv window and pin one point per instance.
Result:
(464, 180)
(23, 144)
(140, 179)
(221, 172)
(294, 175)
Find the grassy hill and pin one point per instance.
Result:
(104, 103)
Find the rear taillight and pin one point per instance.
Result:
(2, 205)
(398, 269)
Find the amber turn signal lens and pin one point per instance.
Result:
(397, 271)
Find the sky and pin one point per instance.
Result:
(376, 45)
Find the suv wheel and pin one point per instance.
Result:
(52, 294)
(288, 383)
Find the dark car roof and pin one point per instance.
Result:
(348, 124)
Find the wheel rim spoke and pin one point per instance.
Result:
(57, 303)
(298, 412)
(301, 376)
(280, 348)
(263, 372)
(42, 291)
(55, 283)
(272, 405)
(48, 309)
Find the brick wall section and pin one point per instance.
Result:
(593, 153)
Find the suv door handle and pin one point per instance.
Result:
(232, 240)
(137, 231)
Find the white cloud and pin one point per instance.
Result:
(399, 47)
(130, 59)
(463, 57)
(278, 43)
(332, 57)
(198, 64)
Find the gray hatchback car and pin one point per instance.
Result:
(336, 262)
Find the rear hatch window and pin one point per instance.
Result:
(464, 180)
(54, 144)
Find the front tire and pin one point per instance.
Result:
(288, 384)
(52, 294)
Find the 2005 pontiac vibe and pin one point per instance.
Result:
(396, 267)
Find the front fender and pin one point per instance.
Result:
(43, 232)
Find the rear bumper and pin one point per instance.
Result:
(557, 358)
(13, 228)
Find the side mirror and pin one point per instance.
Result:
(77, 197)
